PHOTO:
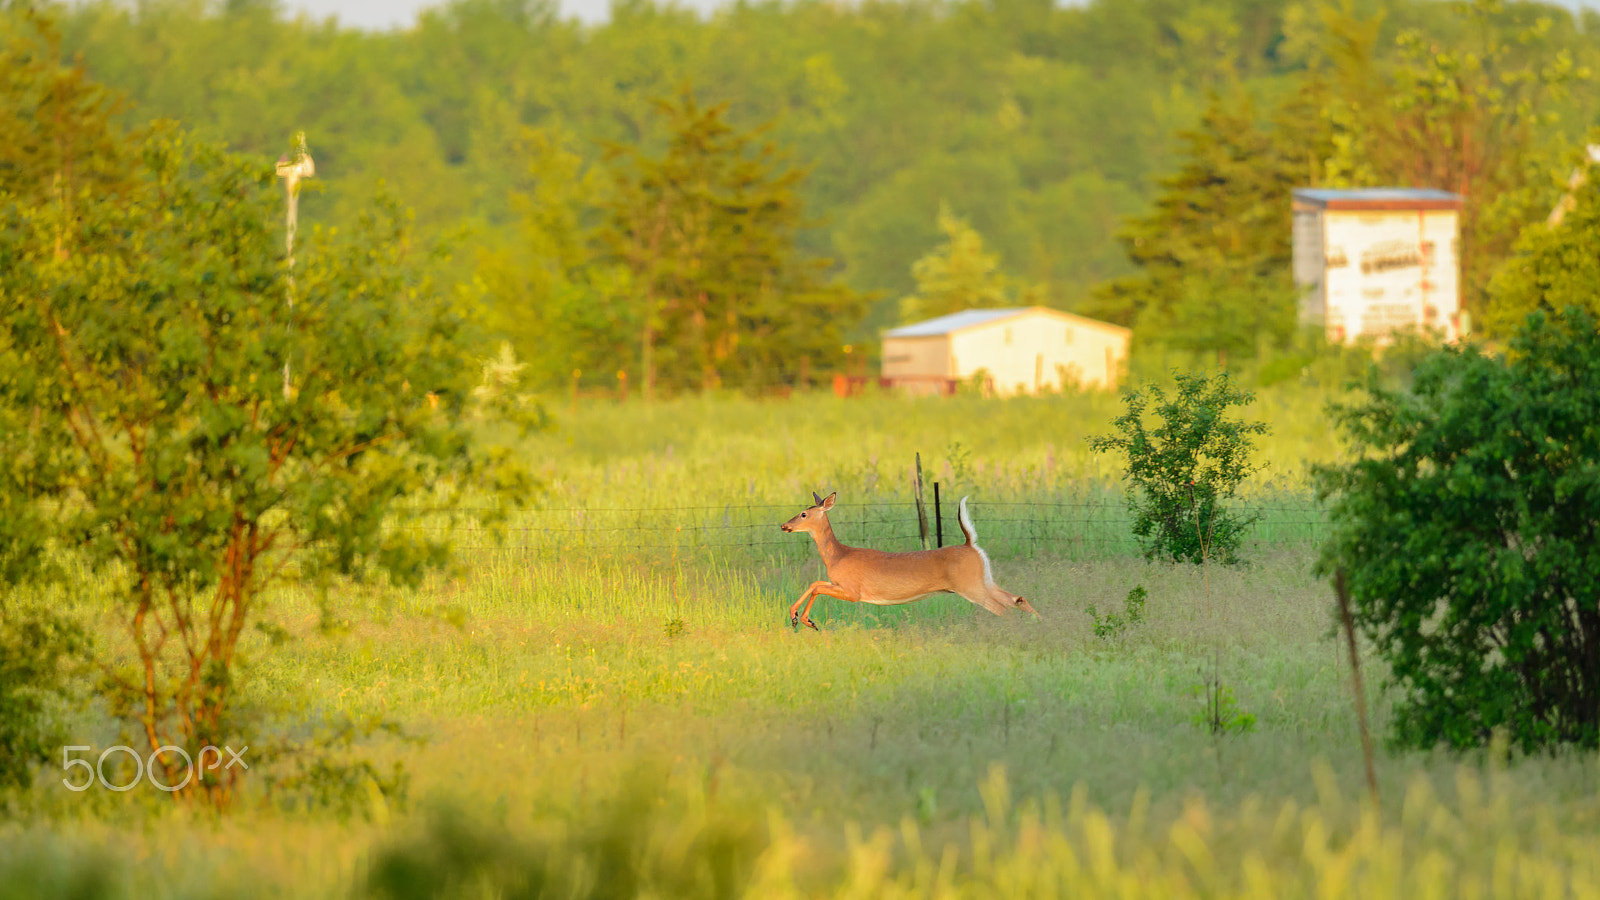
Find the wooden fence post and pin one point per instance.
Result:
(1342, 591)
(938, 517)
(922, 511)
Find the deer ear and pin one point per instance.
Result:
(817, 497)
(828, 503)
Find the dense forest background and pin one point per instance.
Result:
(1125, 158)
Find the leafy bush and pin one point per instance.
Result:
(324, 767)
(1219, 713)
(37, 865)
(1555, 264)
(35, 647)
(643, 842)
(1181, 473)
(1114, 624)
(1469, 534)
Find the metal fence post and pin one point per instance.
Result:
(922, 511)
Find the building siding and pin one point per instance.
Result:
(915, 357)
(1310, 255)
(1369, 263)
(1037, 350)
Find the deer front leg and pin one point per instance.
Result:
(810, 597)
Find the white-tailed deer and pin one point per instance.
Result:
(860, 575)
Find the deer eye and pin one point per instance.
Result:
(802, 515)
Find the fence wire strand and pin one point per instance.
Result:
(1065, 527)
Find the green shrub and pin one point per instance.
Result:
(1554, 264)
(1115, 624)
(1469, 532)
(326, 767)
(641, 842)
(35, 865)
(36, 647)
(1219, 712)
(1181, 472)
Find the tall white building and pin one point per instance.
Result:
(1370, 261)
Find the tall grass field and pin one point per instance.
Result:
(605, 698)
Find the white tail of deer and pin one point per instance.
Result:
(860, 575)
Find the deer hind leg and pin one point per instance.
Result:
(997, 600)
(983, 596)
(809, 598)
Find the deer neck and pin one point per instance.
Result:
(828, 546)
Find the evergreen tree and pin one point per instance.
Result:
(58, 135)
(707, 233)
(562, 309)
(1214, 255)
(959, 274)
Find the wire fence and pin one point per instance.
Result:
(1087, 528)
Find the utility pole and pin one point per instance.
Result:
(291, 170)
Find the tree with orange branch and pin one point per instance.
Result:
(151, 438)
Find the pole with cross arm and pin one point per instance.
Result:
(292, 170)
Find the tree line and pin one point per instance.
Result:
(1128, 160)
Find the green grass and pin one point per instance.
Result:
(713, 477)
(731, 450)
(581, 701)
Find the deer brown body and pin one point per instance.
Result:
(862, 575)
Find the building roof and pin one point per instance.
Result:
(970, 318)
(954, 322)
(1376, 198)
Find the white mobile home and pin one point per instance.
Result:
(1023, 350)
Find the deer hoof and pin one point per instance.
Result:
(812, 625)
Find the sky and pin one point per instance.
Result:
(400, 13)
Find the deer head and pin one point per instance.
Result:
(813, 517)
